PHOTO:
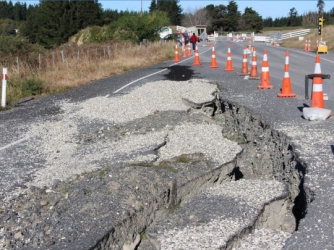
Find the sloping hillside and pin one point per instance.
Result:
(327, 35)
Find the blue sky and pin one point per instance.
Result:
(265, 8)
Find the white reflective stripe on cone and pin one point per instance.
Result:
(317, 88)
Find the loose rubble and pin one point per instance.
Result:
(111, 166)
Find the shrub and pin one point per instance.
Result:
(97, 35)
(31, 86)
(137, 27)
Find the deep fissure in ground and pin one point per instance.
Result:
(267, 154)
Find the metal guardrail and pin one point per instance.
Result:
(295, 34)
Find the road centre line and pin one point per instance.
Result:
(144, 77)
(26, 138)
(14, 143)
(308, 54)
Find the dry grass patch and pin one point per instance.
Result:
(73, 66)
(327, 35)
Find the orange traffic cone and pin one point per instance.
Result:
(229, 60)
(306, 45)
(196, 61)
(176, 55)
(286, 84)
(309, 45)
(189, 50)
(317, 92)
(254, 75)
(244, 69)
(213, 58)
(265, 76)
(184, 54)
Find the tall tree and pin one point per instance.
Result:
(153, 5)
(173, 10)
(251, 20)
(320, 6)
(195, 17)
(293, 21)
(310, 18)
(268, 22)
(218, 17)
(54, 22)
(233, 15)
(137, 27)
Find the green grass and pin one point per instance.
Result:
(143, 235)
(165, 165)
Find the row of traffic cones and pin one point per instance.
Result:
(197, 59)
(184, 52)
(286, 90)
(307, 45)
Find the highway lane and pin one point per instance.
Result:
(15, 123)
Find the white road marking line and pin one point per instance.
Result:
(14, 143)
(26, 138)
(130, 83)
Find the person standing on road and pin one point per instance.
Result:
(193, 40)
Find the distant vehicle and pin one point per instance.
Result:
(177, 38)
(164, 31)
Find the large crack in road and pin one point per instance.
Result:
(131, 188)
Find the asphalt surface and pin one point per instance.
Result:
(313, 140)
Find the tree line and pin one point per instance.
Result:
(52, 23)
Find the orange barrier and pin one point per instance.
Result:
(244, 69)
(196, 61)
(176, 55)
(317, 92)
(213, 58)
(286, 90)
(253, 74)
(265, 76)
(229, 66)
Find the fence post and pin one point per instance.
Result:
(4, 87)
(18, 64)
(62, 56)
